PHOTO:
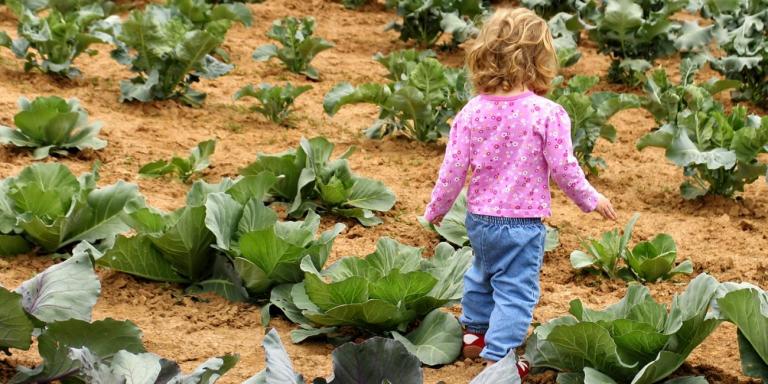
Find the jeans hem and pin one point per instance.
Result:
(476, 330)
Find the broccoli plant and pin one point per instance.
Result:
(636, 340)
(419, 105)
(741, 34)
(52, 124)
(310, 180)
(634, 34)
(427, 20)
(199, 159)
(400, 64)
(299, 46)
(275, 102)
(718, 151)
(589, 115)
(648, 261)
(51, 43)
(171, 47)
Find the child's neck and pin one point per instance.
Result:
(514, 92)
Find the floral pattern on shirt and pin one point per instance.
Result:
(512, 145)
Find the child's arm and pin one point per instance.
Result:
(453, 172)
(564, 168)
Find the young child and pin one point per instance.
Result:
(513, 140)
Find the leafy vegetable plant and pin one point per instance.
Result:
(299, 46)
(385, 291)
(309, 180)
(51, 43)
(549, 8)
(635, 340)
(648, 261)
(454, 230)
(176, 247)
(46, 205)
(589, 115)
(171, 47)
(198, 160)
(427, 20)
(718, 151)
(376, 360)
(636, 33)
(746, 306)
(740, 33)
(52, 124)
(275, 102)
(565, 30)
(419, 105)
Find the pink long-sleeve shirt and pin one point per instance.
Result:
(512, 145)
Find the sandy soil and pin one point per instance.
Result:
(728, 239)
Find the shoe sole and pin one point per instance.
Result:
(471, 351)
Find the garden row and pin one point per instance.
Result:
(718, 150)
(635, 340)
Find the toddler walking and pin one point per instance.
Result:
(513, 141)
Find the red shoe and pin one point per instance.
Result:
(473, 344)
(523, 367)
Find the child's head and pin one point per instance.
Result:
(514, 49)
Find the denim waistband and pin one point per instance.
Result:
(506, 220)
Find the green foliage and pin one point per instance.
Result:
(299, 47)
(635, 340)
(52, 42)
(46, 205)
(171, 47)
(425, 21)
(648, 261)
(634, 34)
(176, 246)
(549, 8)
(275, 102)
(589, 115)
(266, 252)
(454, 230)
(376, 360)
(382, 292)
(52, 124)
(309, 180)
(565, 30)
(741, 34)
(185, 169)
(419, 105)
(746, 306)
(717, 150)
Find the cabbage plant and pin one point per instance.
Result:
(425, 21)
(718, 151)
(384, 292)
(636, 340)
(589, 115)
(309, 180)
(52, 124)
(52, 42)
(176, 246)
(746, 306)
(197, 161)
(299, 47)
(171, 47)
(419, 105)
(275, 102)
(635, 33)
(47, 206)
(647, 261)
(376, 360)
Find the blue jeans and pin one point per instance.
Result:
(502, 286)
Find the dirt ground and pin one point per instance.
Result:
(728, 239)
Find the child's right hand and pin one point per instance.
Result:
(605, 208)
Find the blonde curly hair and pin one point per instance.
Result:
(514, 49)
